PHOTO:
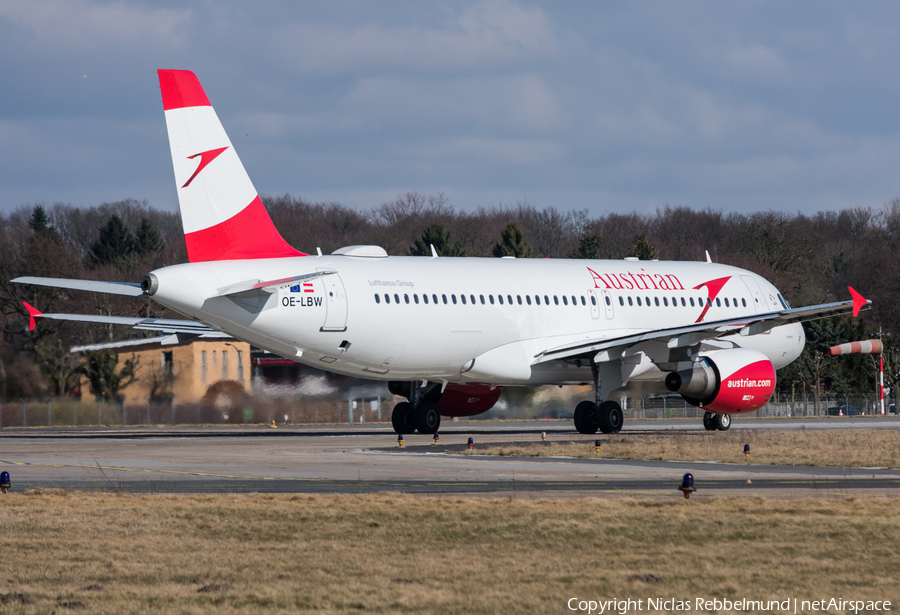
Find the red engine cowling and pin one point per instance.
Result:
(467, 399)
(726, 381)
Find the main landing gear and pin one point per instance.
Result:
(713, 422)
(417, 414)
(605, 416)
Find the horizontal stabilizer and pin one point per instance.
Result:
(112, 288)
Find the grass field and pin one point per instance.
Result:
(390, 553)
(841, 448)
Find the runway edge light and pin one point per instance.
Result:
(4, 482)
(597, 445)
(687, 486)
(746, 450)
(471, 443)
(400, 440)
(437, 437)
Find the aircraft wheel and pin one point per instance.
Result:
(586, 419)
(428, 419)
(723, 422)
(403, 418)
(708, 423)
(610, 417)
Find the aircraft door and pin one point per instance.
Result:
(335, 303)
(607, 303)
(594, 300)
(756, 296)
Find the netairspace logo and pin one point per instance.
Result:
(791, 605)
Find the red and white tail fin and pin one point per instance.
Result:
(222, 215)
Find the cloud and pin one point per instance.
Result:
(82, 24)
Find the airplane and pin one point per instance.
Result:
(449, 333)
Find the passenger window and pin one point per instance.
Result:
(621, 301)
(537, 299)
(574, 301)
(519, 299)
(629, 301)
(463, 299)
(607, 301)
(453, 298)
(425, 299)
(583, 302)
(638, 301)
(444, 297)
(509, 299)
(406, 298)
(683, 304)
(396, 298)
(726, 302)
(482, 299)
(377, 298)
(500, 299)
(718, 302)
(528, 299)
(666, 301)
(565, 301)
(744, 302)
(472, 297)
(708, 302)
(593, 300)
(387, 298)
(491, 298)
(656, 301)
(416, 298)
(692, 301)
(546, 300)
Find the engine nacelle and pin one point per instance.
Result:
(726, 381)
(467, 399)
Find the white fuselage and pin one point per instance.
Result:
(468, 319)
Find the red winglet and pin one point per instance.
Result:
(858, 301)
(34, 315)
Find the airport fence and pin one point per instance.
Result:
(69, 412)
(674, 406)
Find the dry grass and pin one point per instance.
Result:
(840, 448)
(395, 553)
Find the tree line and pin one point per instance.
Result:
(809, 258)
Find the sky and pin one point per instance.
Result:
(609, 106)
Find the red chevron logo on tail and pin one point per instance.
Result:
(205, 158)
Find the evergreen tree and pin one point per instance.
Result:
(435, 235)
(512, 243)
(642, 248)
(40, 221)
(114, 245)
(147, 243)
(588, 244)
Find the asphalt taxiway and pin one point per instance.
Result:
(367, 458)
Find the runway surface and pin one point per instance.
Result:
(366, 459)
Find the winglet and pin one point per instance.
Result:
(859, 302)
(34, 315)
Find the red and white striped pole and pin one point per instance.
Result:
(865, 347)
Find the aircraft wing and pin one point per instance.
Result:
(612, 348)
(162, 325)
(114, 288)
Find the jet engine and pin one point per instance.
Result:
(467, 399)
(726, 381)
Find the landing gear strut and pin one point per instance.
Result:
(417, 414)
(713, 422)
(605, 416)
